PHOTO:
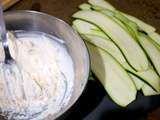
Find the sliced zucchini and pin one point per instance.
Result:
(117, 15)
(138, 82)
(132, 26)
(84, 27)
(123, 40)
(98, 8)
(149, 76)
(101, 3)
(142, 25)
(124, 22)
(148, 91)
(105, 5)
(110, 14)
(85, 6)
(113, 77)
(151, 50)
(156, 37)
(107, 45)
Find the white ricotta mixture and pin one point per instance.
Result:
(40, 82)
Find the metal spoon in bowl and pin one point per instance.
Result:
(8, 58)
(10, 69)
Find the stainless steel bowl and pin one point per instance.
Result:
(36, 21)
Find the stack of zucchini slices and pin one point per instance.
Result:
(124, 51)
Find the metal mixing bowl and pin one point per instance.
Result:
(36, 21)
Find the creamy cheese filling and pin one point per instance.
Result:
(41, 80)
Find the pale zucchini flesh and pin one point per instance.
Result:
(149, 76)
(142, 25)
(85, 6)
(105, 44)
(101, 3)
(137, 81)
(111, 15)
(151, 50)
(98, 8)
(94, 35)
(156, 37)
(125, 23)
(108, 46)
(145, 79)
(132, 26)
(119, 16)
(126, 43)
(84, 27)
(148, 91)
(113, 77)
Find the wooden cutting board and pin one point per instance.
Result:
(7, 3)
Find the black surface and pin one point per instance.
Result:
(95, 104)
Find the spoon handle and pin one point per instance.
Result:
(3, 38)
(2, 25)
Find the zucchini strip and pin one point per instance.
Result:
(101, 3)
(84, 27)
(123, 40)
(142, 25)
(156, 37)
(148, 91)
(149, 76)
(106, 5)
(151, 50)
(124, 22)
(105, 44)
(85, 6)
(113, 77)
(138, 82)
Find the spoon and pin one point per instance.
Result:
(8, 58)
(11, 70)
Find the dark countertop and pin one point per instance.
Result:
(147, 10)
